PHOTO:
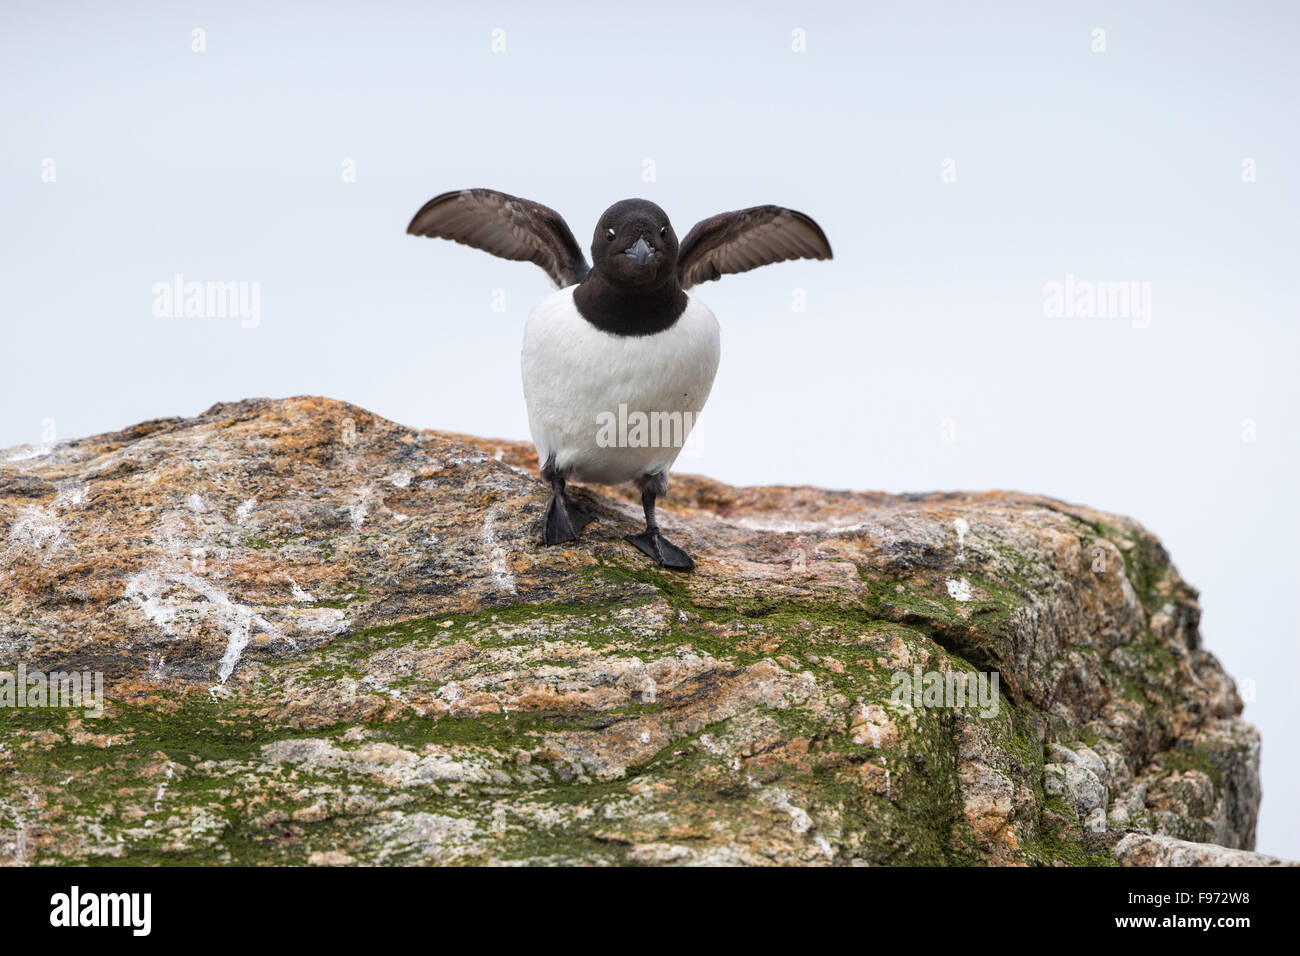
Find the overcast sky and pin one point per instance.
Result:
(961, 159)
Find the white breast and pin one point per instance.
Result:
(614, 407)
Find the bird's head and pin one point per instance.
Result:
(634, 247)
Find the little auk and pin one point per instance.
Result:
(619, 335)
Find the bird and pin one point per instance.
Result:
(618, 362)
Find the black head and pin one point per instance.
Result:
(634, 247)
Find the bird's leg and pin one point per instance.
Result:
(564, 518)
(559, 528)
(650, 542)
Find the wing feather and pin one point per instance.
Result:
(505, 226)
(738, 241)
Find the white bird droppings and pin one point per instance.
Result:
(162, 787)
(28, 452)
(357, 511)
(501, 574)
(959, 589)
(36, 528)
(963, 529)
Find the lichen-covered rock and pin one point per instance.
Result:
(330, 639)
(1144, 849)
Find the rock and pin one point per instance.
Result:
(1077, 783)
(1142, 849)
(327, 639)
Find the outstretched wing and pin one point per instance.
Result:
(746, 239)
(505, 226)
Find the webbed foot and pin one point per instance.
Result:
(654, 545)
(579, 517)
(559, 526)
(565, 518)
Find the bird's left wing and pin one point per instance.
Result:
(505, 226)
(746, 239)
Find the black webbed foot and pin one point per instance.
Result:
(654, 545)
(579, 517)
(565, 518)
(559, 526)
(650, 542)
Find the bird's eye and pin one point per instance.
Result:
(663, 232)
(609, 234)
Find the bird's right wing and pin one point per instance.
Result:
(738, 241)
(505, 226)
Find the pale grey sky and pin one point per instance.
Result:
(1122, 165)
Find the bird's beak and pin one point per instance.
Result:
(640, 251)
